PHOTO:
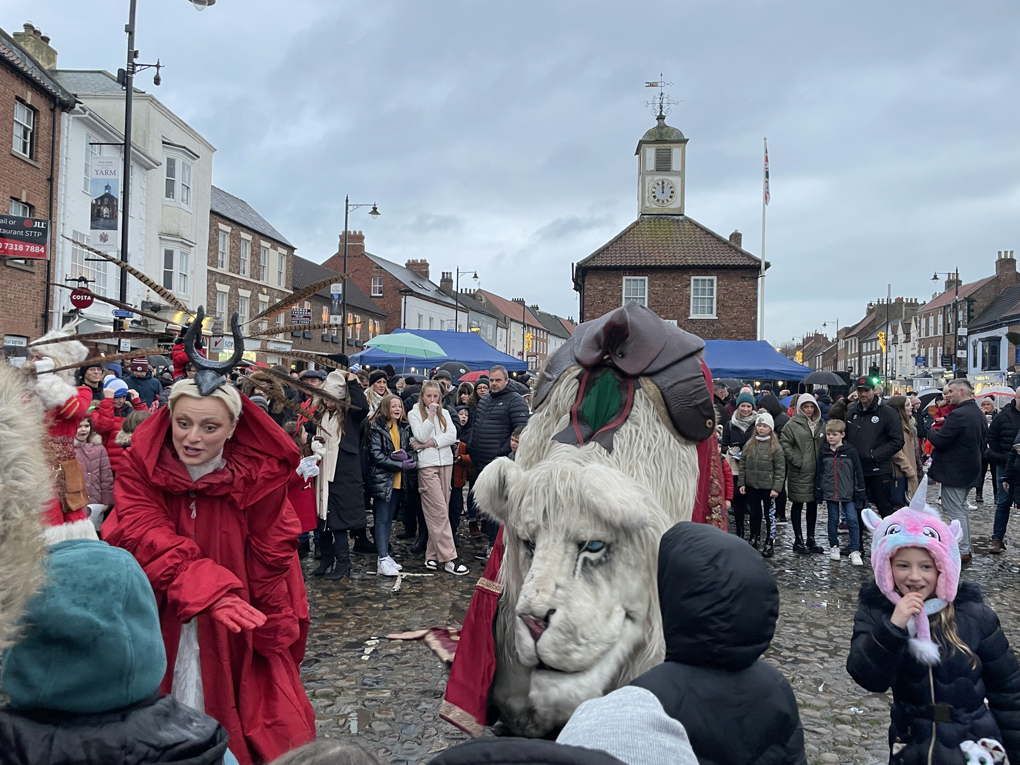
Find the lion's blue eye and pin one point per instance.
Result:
(592, 547)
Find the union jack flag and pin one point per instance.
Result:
(768, 196)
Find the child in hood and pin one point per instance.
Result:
(762, 477)
(934, 641)
(736, 709)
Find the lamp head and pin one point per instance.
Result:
(935, 277)
(201, 5)
(374, 212)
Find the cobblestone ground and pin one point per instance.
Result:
(385, 695)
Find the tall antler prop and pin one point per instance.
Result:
(210, 375)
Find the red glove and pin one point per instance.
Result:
(235, 614)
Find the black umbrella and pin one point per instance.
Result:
(928, 396)
(823, 378)
(159, 361)
(731, 383)
(455, 368)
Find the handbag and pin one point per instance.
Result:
(898, 491)
(71, 486)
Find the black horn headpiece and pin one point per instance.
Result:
(210, 375)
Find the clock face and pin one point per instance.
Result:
(662, 192)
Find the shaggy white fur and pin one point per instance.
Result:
(647, 483)
(55, 388)
(25, 488)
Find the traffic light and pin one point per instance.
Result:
(875, 377)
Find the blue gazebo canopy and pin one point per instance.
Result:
(751, 360)
(466, 347)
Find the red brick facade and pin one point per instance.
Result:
(27, 180)
(669, 295)
(361, 270)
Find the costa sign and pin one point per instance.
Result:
(81, 298)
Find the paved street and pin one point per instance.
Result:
(387, 693)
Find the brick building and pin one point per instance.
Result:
(250, 267)
(527, 337)
(32, 104)
(365, 319)
(667, 261)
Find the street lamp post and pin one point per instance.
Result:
(956, 317)
(374, 212)
(824, 325)
(456, 297)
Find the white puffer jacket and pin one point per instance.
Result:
(423, 430)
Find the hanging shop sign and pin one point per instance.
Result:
(24, 237)
(104, 187)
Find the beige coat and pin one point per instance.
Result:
(904, 463)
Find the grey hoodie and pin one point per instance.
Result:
(631, 725)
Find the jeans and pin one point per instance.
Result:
(1003, 502)
(384, 512)
(850, 513)
(954, 506)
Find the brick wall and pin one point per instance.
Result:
(669, 295)
(23, 285)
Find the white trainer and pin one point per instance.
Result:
(834, 553)
(855, 559)
(390, 559)
(387, 567)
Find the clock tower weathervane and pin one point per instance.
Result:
(662, 159)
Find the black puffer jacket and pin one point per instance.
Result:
(158, 729)
(1002, 435)
(382, 467)
(879, 659)
(497, 416)
(959, 445)
(772, 405)
(719, 607)
(876, 433)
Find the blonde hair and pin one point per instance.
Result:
(421, 402)
(225, 393)
(945, 624)
(835, 426)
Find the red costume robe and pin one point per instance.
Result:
(61, 424)
(234, 531)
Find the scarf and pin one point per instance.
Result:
(762, 438)
(743, 422)
(921, 646)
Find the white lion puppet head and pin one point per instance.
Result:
(57, 348)
(582, 539)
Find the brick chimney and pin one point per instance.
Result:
(737, 238)
(952, 282)
(420, 267)
(446, 281)
(355, 244)
(37, 45)
(1005, 269)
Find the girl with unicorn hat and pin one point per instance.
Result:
(934, 641)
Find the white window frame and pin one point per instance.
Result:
(223, 250)
(176, 272)
(630, 281)
(263, 263)
(90, 152)
(263, 305)
(23, 139)
(243, 268)
(281, 268)
(19, 208)
(177, 180)
(714, 297)
(242, 308)
(221, 305)
(81, 266)
(377, 286)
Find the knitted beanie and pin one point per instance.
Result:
(118, 386)
(766, 418)
(745, 398)
(918, 525)
(376, 376)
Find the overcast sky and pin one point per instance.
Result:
(500, 136)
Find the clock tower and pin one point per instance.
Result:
(662, 169)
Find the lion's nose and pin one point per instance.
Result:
(537, 625)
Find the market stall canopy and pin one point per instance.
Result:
(466, 347)
(751, 360)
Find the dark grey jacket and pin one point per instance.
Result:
(760, 469)
(839, 476)
(801, 449)
(497, 416)
(959, 445)
(876, 433)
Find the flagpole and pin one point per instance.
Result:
(761, 276)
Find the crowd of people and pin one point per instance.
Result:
(186, 643)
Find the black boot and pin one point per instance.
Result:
(422, 542)
(754, 542)
(813, 546)
(361, 543)
(303, 549)
(328, 556)
(768, 549)
(798, 545)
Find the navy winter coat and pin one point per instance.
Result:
(839, 476)
(148, 387)
(719, 606)
(959, 446)
(948, 699)
(497, 416)
(1002, 434)
(876, 433)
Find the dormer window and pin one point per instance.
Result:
(663, 159)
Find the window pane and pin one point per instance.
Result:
(20, 209)
(185, 183)
(90, 151)
(263, 262)
(221, 253)
(281, 269)
(168, 269)
(245, 249)
(634, 290)
(24, 125)
(377, 286)
(182, 266)
(221, 306)
(242, 310)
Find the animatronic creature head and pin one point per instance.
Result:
(918, 525)
(611, 455)
(586, 620)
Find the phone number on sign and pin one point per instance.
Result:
(20, 248)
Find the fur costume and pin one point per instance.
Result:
(65, 406)
(917, 525)
(619, 449)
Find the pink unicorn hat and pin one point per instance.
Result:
(918, 525)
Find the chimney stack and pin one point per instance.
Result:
(355, 244)
(446, 281)
(420, 267)
(737, 238)
(1005, 269)
(37, 45)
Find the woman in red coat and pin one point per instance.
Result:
(201, 502)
